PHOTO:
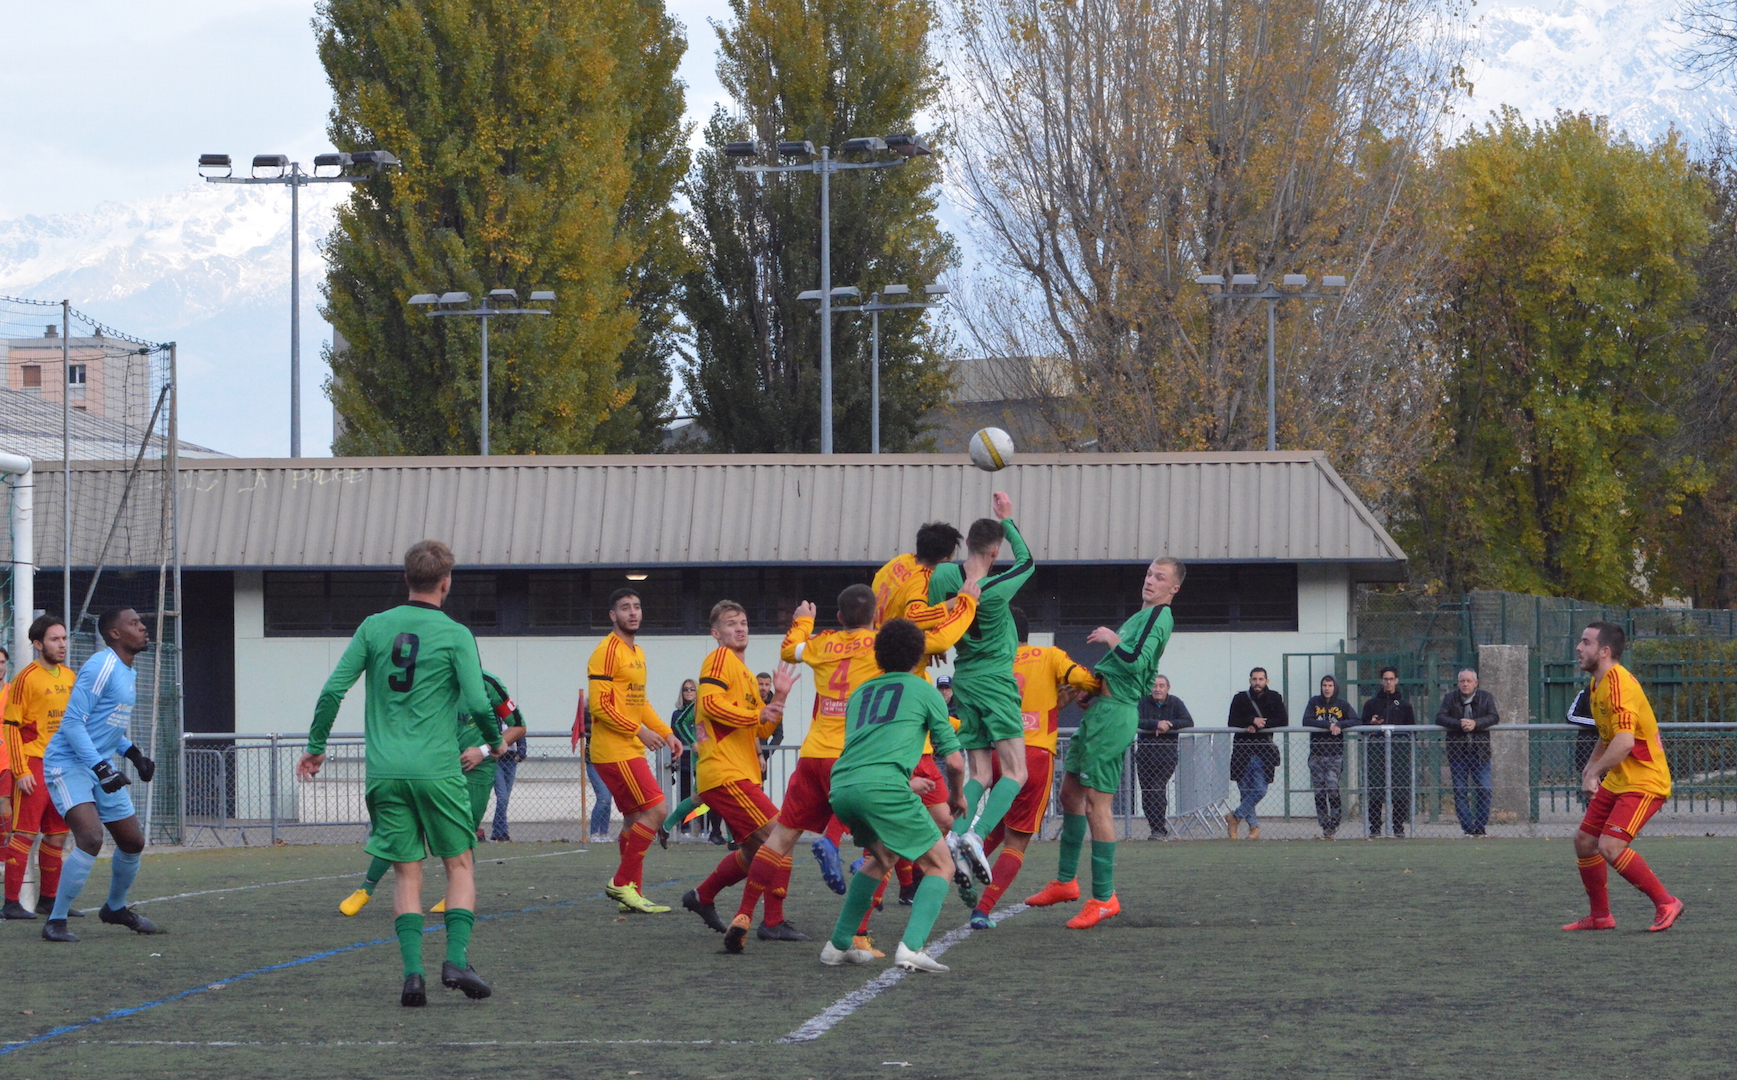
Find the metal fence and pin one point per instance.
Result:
(243, 788)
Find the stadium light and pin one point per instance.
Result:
(496, 302)
(873, 308)
(904, 147)
(1272, 296)
(346, 168)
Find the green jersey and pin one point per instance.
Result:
(470, 728)
(422, 670)
(992, 641)
(1129, 668)
(885, 723)
(682, 723)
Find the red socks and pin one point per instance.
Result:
(1007, 868)
(48, 862)
(17, 858)
(904, 868)
(876, 902)
(995, 837)
(835, 831)
(1636, 872)
(733, 868)
(768, 876)
(633, 844)
(1594, 877)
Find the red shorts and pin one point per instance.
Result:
(1029, 806)
(35, 812)
(631, 784)
(743, 806)
(806, 795)
(1622, 816)
(928, 770)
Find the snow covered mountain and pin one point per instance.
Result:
(208, 266)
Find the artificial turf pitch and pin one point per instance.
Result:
(1352, 959)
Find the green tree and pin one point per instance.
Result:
(1566, 319)
(540, 142)
(823, 73)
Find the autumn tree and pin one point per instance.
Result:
(1114, 150)
(1567, 316)
(823, 73)
(540, 144)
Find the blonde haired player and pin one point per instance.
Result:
(1628, 779)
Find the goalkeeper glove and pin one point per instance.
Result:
(110, 780)
(145, 766)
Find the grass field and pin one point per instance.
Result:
(1355, 959)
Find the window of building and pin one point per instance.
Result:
(75, 374)
(32, 376)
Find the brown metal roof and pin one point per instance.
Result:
(742, 509)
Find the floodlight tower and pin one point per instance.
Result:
(497, 302)
(1272, 296)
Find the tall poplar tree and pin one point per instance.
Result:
(540, 142)
(821, 72)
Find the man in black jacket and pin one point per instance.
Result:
(1162, 715)
(1387, 754)
(1329, 714)
(1468, 713)
(1254, 760)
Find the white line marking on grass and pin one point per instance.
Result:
(333, 1045)
(306, 880)
(851, 1002)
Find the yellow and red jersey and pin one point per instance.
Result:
(1619, 705)
(1041, 671)
(842, 661)
(727, 721)
(35, 702)
(617, 703)
(902, 591)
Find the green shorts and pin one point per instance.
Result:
(894, 815)
(480, 783)
(1100, 746)
(988, 710)
(414, 818)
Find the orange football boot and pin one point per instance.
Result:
(1095, 912)
(1056, 892)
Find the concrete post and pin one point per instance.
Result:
(1504, 670)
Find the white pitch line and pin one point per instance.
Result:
(856, 999)
(229, 1043)
(306, 880)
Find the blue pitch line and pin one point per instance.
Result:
(119, 1014)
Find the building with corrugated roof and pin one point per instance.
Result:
(283, 559)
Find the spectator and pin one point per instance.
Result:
(1585, 735)
(506, 775)
(1254, 760)
(1329, 714)
(603, 803)
(681, 721)
(1387, 755)
(1162, 715)
(1468, 714)
(945, 685)
(777, 736)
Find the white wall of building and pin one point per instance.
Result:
(278, 680)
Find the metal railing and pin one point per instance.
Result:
(243, 787)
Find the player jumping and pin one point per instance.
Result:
(623, 727)
(423, 671)
(1096, 752)
(889, 716)
(731, 718)
(34, 705)
(86, 789)
(1636, 781)
(985, 697)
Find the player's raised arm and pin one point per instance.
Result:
(801, 630)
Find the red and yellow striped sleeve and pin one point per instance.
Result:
(608, 704)
(1072, 674)
(14, 723)
(801, 629)
(720, 700)
(943, 633)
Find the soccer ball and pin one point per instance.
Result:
(991, 449)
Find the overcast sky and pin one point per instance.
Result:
(106, 100)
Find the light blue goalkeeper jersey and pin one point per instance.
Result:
(98, 715)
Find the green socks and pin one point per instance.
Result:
(1001, 798)
(459, 921)
(856, 904)
(1103, 868)
(973, 792)
(408, 927)
(682, 810)
(1073, 837)
(376, 870)
(925, 909)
